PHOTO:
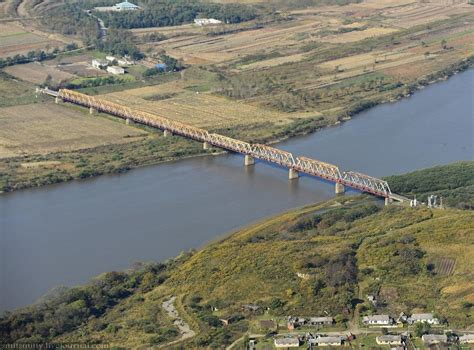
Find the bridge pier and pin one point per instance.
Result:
(92, 110)
(293, 174)
(249, 160)
(128, 121)
(167, 133)
(206, 146)
(388, 201)
(57, 100)
(339, 188)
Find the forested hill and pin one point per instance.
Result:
(317, 260)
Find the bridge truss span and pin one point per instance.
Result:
(286, 159)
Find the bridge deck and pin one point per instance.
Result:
(331, 172)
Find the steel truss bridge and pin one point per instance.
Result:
(296, 165)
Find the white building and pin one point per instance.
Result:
(116, 70)
(286, 342)
(466, 339)
(426, 318)
(434, 338)
(110, 58)
(125, 6)
(377, 320)
(206, 21)
(99, 64)
(389, 339)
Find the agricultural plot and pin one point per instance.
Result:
(15, 40)
(204, 110)
(445, 266)
(37, 73)
(45, 128)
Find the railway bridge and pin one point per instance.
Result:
(295, 165)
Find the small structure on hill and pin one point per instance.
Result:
(389, 339)
(119, 7)
(425, 318)
(429, 339)
(287, 342)
(116, 70)
(206, 21)
(325, 341)
(99, 64)
(378, 320)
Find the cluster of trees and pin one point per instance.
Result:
(175, 12)
(33, 56)
(453, 182)
(171, 63)
(71, 308)
(120, 42)
(71, 19)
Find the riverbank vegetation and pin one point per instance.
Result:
(313, 261)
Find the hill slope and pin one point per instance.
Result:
(317, 260)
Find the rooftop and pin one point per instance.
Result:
(126, 5)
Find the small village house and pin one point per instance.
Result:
(99, 64)
(288, 342)
(126, 6)
(320, 321)
(429, 339)
(377, 320)
(116, 70)
(426, 318)
(206, 21)
(389, 339)
(326, 341)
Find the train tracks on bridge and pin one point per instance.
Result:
(296, 165)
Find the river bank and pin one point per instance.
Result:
(117, 159)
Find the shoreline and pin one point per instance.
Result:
(304, 130)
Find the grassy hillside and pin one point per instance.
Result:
(412, 259)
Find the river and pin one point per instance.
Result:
(67, 233)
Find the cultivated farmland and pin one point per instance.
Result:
(45, 128)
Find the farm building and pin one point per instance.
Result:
(466, 339)
(326, 341)
(434, 338)
(99, 64)
(287, 342)
(317, 321)
(206, 21)
(389, 340)
(378, 320)
(426, 318)
(116, 70)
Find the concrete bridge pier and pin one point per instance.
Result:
(167, 133)
(388, 201)
(206, 146)
(92, 110)
(128, 121)
(249, 160)
(292, 174)
(57, 100)
(339, 188)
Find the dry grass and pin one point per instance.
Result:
(358, 35)
(36, 73)
(45, 128)
(16, 40)
(198, 109)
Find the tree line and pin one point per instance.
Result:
(175, 12)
